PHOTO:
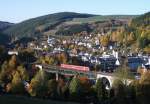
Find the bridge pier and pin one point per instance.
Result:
(57, 76)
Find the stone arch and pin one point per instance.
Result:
(109, 78)
(106, 82)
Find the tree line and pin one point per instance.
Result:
(16, 79)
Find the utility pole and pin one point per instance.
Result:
(124, 41)
(126, 56)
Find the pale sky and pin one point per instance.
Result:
(19, 10)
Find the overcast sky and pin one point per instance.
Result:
(19, 10)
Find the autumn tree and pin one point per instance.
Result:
(62, 57)
(65, 91)
(131, 38)
(143, 34)
(147, 49)
(5, 75)
(42, 60)
(13, 62)
(86, 86)
(23, 73)
(61, 85)
(142, 89)
(114, 37)
(52, 88)
(49, 60)
(38, 85)
(121, 34)
(17, 84)
(123, 73)
(142, 42)
(104, 40)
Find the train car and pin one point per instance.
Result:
(74, 67)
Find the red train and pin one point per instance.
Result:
(75, 67)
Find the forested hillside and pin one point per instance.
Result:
(134, 30)
(136, 35)
(65, 23)
(143, 20)
(5, 25)
(36, 26)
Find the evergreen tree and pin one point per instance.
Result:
(119, 92)
(75, 88)
(101, 91)
(123, 73)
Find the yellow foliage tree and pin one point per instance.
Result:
(13, 62)
(17, 84)
(147, 50)
(143, 34)
(114, 37)
(130, 38)
(104, 40)
(143, 88)
(23, 73)
(62, 58)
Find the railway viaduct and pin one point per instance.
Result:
(107, 78)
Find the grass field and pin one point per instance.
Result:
(101, 18)
(12, 99)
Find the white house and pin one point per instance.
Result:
(12, 52)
